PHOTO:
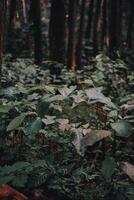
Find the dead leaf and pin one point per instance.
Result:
(6, 192)
(94, 136)
(128, 169)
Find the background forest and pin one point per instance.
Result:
(66, 99)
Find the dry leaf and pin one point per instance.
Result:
(128, 169)
(6, 192)
(94, 136)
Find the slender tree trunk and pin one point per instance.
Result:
(11, 27)
(104, 24)
(96, 27)
(90, 17)
(2, 10)
(71, 63)
(24, 9)
(36, 18)
(119, 23)
(57, 30)
(130, 24)
(113, 26)
(80, 36)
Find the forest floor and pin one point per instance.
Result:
(71, 139)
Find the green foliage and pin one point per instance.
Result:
(56, 134)
(16, 122)
(122, 128)
(108, 167)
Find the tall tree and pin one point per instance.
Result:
(71, 54)
(104, 34)
(130, 23)
(35, 15)
(80, 36)
(11, 26)
(57, 30)
(96, 26)
(113, 26)
(2, 10)
(90, 17)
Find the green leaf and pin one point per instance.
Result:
(34, 127)
(20, 180)
(108, 167)
(4, 108)
(6, 179)
(43, 108)
(7, 169)
(16, 122)
(122, 128)
(39, 163)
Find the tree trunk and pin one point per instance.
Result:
(90, 17)
(80, 36)
(36, 18)
(11, 27)
(96, 27)
(71, 63)
(130, 24)
(104, 24)
(57, 30)
(2, 10)
(113, 26)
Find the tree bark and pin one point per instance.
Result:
(36, 18)
(2, 10)
(96, 27)
(90, 17)
(130, 24)
(80, 36)
(57, 31)
(11, 27)
(71, 54)
(104, 24)
(113, 39)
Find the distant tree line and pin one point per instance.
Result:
(76, 28)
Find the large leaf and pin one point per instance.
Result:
(91, 137)
(4, 108)
(94, 136)
(128, 169)
(95, 95)
(49, 120)
(16, 122)
(108, 167)
(43, 108)
(34, 126)
(122, 128)
(7, 169)
(6, 179)
(20, 180)
(67, 91)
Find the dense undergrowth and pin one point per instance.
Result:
(71, 138)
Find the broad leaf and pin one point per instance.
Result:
(6, 179)
(20, 180)
(67, 91)
(94, 136)
(16, 122)
(4, 108)
(34, 126)
(122, 128)
(128, 169)
(43, 108)
(108, 167)
(95, 94)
